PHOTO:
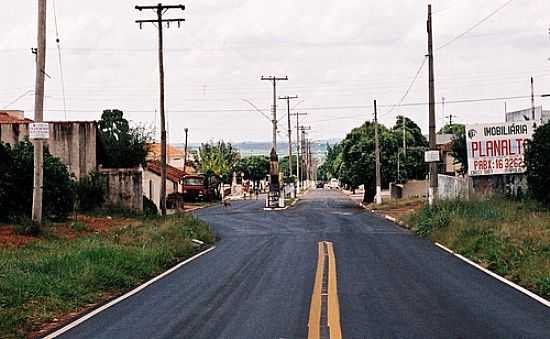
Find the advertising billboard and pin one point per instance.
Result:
(497, 148)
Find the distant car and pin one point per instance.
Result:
(320, 184)
(334, 184)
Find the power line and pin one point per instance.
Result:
(409, 88)
(62, 78)
(475, 26)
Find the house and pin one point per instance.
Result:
(540, 115)
(152, 181)
(74, 142)
(448, 163)
(174, 157)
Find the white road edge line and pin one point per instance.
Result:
(496, 276)
(125, 296)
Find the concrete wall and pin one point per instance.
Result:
(72, 142)
(454, 187)
(124, 188)
(505, 184)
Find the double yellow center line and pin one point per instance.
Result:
(324, 311)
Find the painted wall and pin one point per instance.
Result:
(72, 142)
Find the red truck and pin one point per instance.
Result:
(194, 188)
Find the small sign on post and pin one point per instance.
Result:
(39, 131)
(431, 156)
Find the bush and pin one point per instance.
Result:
(16, 183)
(537, 159)
(90, 192)
(149, 207)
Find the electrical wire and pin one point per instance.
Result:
(408, 88)
(479, 23)
(62, 78)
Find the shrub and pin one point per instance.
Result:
(90, 192)
(16, 183)
(537, 159)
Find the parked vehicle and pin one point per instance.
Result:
(320, 184)
(194, 188)
(334, 184)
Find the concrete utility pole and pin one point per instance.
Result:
(377, 156)
(274, 189)
(432, 137)
(298, 115)
(303, 152)
(39, 115)
(288, 98)
(274, 80)
(160, 10)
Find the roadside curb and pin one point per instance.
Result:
(117, 300)
(468, 261)
(496, 276)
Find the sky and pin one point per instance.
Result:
(339, 55)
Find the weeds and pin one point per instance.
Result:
(511, 238)
(50, 277)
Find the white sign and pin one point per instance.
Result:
(497, 148)
(431, 156)
(39, 130)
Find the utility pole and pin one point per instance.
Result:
(288, 98)
(303, 152)
(431, 87)
(159, 21)
(39, 115)
(274, 80)
(450, 116)
(185, 152)
(274, 189)
(377, 156)
(533, 99)
(298, 115)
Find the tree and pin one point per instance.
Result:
(217, 159)
(16, 183)
(119, 145)
(358, 160)
(537, 158)
(330, 168)
(458, 147)
(254, 168)
(412, 161)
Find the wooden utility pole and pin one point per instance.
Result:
(288, 98)
(432, 137)
(377, 156)
(39, 115)
(160, 10)
(303, 152)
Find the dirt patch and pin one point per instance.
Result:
(85, 226)
(9, 238)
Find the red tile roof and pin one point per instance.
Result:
(172, 173)
(9, 119)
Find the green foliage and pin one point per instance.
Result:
(90, 192)
(508, 237)
(459, 150)
(16, 184)
(217, 159)
(49, 276)
(537, 159)
(119, 145)
(254, 168)
(149, 207)
(330, 168)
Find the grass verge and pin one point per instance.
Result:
(48, 277)
(511, 238)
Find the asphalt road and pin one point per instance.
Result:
(258, 283)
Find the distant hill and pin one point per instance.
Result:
(250, 148)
